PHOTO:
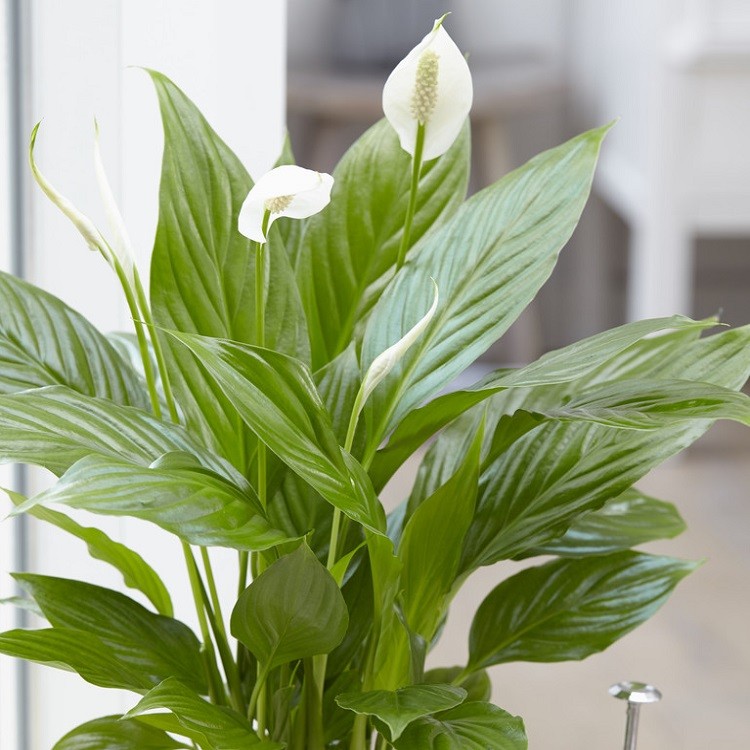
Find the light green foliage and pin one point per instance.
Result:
(226, 438)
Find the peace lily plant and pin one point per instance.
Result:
(293, 351)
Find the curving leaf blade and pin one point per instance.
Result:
(136, 572)
(570, 609)
(156, 646)
(115, 733)
(470, 726)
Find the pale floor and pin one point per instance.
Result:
(696, 649)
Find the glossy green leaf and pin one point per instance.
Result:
(55, 427)
(431, 545)
(203, 269)
(276, 396)
(531, 494)
(470, 726)
(78, 651)
(558, 366)
(293, 610)
(157, 646)
(198, 506)
(647, 405)
(44, 342)
(624, 522)
(354, 242)
(489, 261)
(173, 706)
(115, 733)
(398, 708)
(570, 609)
(477, 684)
(136, 572)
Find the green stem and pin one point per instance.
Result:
(196, 586)
(217, 626)
(158, 351)
(148, 369)
(260, 681)
(348, 442)
(416, 169)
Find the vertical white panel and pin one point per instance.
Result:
(229, 57)
(8, 667)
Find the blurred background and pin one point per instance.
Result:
(667, 230)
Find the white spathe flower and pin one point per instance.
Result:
(121, 244)
(387, 360)
(82, 223)
(432, 86)
(284, 191)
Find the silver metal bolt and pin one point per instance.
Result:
(636, 694)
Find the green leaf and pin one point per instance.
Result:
(173, 706)
(78, 651)
(115, 733)
(398, 708)
(648, 405)
(477, 684)
(293, 610)
(431, 545)
(276, 396)
(624, 522)
(203, 269)
(531, 494)
(196, 505)
(157, 646)
(348, 247)
(45, 342)
(54, 427)
(136, 572)
(470, 726)
(489, 261)
(570, 609)
(559, 366)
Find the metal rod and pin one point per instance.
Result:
(636, 694)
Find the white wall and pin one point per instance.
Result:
(228, 55)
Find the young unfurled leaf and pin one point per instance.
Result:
(293, 610)
(399, 708)
(570, 609)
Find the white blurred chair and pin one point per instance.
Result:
(696, 178)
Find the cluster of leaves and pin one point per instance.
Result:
(535, 461)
